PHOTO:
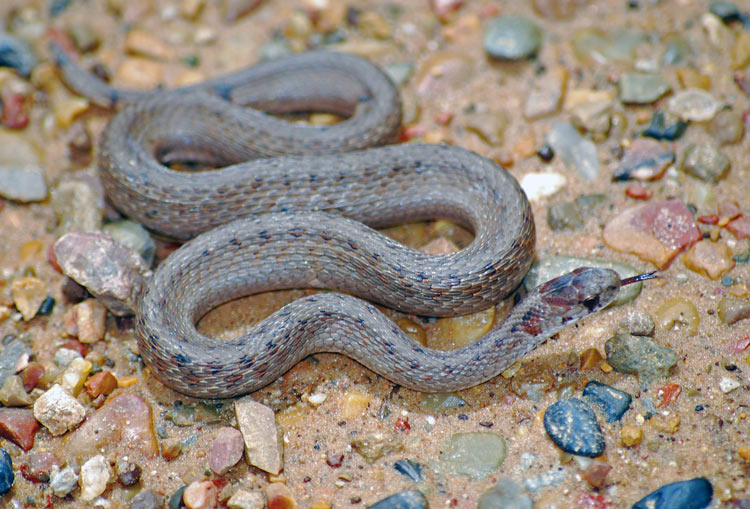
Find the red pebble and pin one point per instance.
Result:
(15, 114)
(402, 424)
(73, 344)
(19, 426)
(638, 192)
(31, 375)
(729, 209)
(39, 466)
(668, 394)
(709, 219)
(740, 227)
(334, 460)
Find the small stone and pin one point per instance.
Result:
(201, 495)
(225, 450)
(125, 421)
(171, 448)
(13, 394)
(592, 116)
(488, 125)
(86, 321)
(636, 322)
(355, 404)
(678, 312)
(741, 50)
(644, 159)
(677, 50)
(62, 482)
(23, 183)
(705, 163)
(578, 153)
(709, 259)
(64, 356)
(693, 494)
(731, 310)
(545, 94)
(40, 465)
(592, 44)
(19, 426)
(572, 425)
(636, 191)
(727, 127)
(10, 354)
(665, 127)
(58, 411)
(505, 494)
(512, 37)
(740, 227)
(655, 232)
(140, 42)
(374, 446)
(459, 331)
(191, 9)
(75, 375)
(476, 454)
(279, 496)
(409, 499)
(692, 78)
(641, 88)
(614, 403)
(146, 499)
(103, 382)
(630, 435)
(139, 73)
(77, 207)
(565, 216)
(258, 427)
(113, 273)
(128, 473)
(541, 185)
(134, 236)
(694, 105)
(727, 385)
(6, 472)
(372, 24)
(84, 37)
(400, 72)
(28, 294)
(639, 355)
(409, 468)
(596, 473)
(242, 499)
(95, 474)
(436, 401)
(16, 54)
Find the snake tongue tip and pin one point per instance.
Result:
(640, 277)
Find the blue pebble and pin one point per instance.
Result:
(409, 499)
(16, 54)
(613, 402)
(6, 472)
(571, 424)
(693, 494)
(409, 468)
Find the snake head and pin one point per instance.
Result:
(581, 292)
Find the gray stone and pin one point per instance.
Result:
(9, 355)
(705, 162)
(133, 235)
(505, 494)
(476, 454)
(62, 482)
(16, 54)
(639, 355)
(578, 153)
(512, 37)
(77, 207)
(641, 88)
(23, 183)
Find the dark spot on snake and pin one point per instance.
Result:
(352, 245)
(235, 242)
(591, 303)
(448, 369)
(264, 235)
(295, 232)
(270, 345)
(224, 91)
(206, 253)
(181, 359)
(414, 365)
(114, 96)
(418, 349)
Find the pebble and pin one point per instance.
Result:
(400, 72)
(128, 473)
(64, 356)
(12, 392)
(235, 9)
(637, 191)
(58, 411)
(23, 183)
(355, 404)
(140, 42)
(636, 322)
(258, 427)
(84, 37)
(373, 25)
(693, 494)
(16, 54)
(139, 73)
(540, 185)
(225, 450)
(133, 235)
(545, 480)
(555, 266)
(578, 153)
(630, 435)
(376, 445)
(678, 312)
(19, 426)
(727, 127)
(94, 476)
(613, 402)
(727, 385)
(435, 401)
(279, 496)
(75, 375)
(512, 37)
(146, 499)
(709, 259)
(665, 127)
(705, 162)
(475, 454)
(595, 115)
(10, 354)
(409, 468)
(572, 215)
(113, 273)
(408, 499)
(545, 94)
(86, 321)
(489, 126)
(677, 51)
(459, 331)
(62, 482)
(243, 499)
(644, 159)
(740, 227)
(505, 494)
(693, 104)
(655, 232)
(639, 355)
(125, 422)
(731, 310)
(6, 472)
(641, 88)
(741, 50)
(39, 465)
(616, 46)
(28, 294)
(571, 424)
(77, 207)
(201, 495)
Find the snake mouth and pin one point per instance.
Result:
(640, 277)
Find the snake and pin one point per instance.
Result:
(264, 203)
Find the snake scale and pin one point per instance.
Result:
(295, 206)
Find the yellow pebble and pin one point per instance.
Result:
(744, 452)
(127, 381)
(355, 404)
(631, 435)
(30, 249)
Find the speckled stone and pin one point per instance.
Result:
(572, 425)
(613, 402)
(225, 450)
(512, 37)
(6, 472)
(58, 411)
(705, 162)
(693, 494)
(639, 355)
(409, 499)
(146, 499)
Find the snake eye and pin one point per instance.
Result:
(591, 303)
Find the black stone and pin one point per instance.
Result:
(409, 499)
(659, 130)
(175, 501)
(46, 307)
(613, 402)
(409, 468)
(693, 494)
(571, 424)
(6, 472)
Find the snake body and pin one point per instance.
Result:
(294, 206)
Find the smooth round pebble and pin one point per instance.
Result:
(409, 499)
(145, 499)
(693, 494)
(505, 494)
(512, 37)
(613, 402)
(572, 425)
(6, 472)
(475, 454)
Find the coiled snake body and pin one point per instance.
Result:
(307, 199)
